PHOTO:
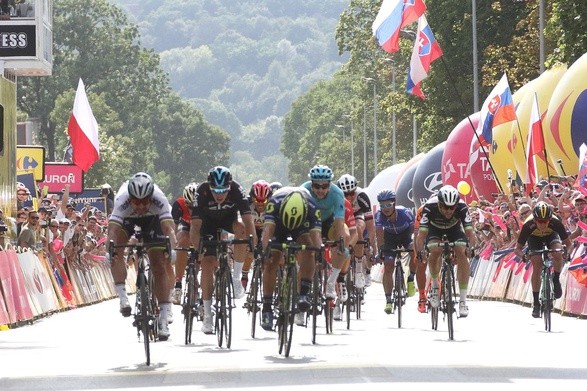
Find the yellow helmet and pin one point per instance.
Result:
(293, 210)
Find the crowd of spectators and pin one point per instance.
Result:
(498, 223)
(68, 235)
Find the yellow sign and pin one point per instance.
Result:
(31, 158)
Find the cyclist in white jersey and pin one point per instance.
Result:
(139, 202)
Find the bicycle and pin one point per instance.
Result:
(288, 293)
(329, 303)
(355, 294)
(399, 294)
(546, 284)
(448, 291)
(319, 302)
(254, 298)
(192, 301)
(146, 307)
(223, 288)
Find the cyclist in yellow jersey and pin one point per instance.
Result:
(543, 229)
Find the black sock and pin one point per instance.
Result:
(305, 286)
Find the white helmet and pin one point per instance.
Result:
(189, 193)
(347, 183)
(141, 185)
(448, 195)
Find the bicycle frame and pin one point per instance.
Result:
(448, 291)
(546, 284)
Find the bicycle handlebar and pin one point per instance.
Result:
(228, 242)
(293, 246)
(447, 244)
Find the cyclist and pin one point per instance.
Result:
(258, 197)
(140, 202)
(330, 200)
(181, 211)
(364, 221)
(394, 226)
(290, 212)
(541, 229)
(216, 206)
(446, 214)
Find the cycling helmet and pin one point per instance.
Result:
(189, 193)
(293, 210)
(448, 195)
(260, 191)
(542, 211)
(21, 186)
(141, 185)
(275, 186)
(347, 183)
(385, 195)
(106, 189)
(219, 176)
(320, 173)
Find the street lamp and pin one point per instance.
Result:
(375, 161)
(364, 146)
(350, 117)
(393, 122)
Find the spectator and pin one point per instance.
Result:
(30, 234)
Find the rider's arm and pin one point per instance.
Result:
(250, 226)
(195, 229)
(168, 228)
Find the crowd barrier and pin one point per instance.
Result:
(31, 286)
(497, 275)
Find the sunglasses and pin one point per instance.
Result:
(540, 221)
(261, 202)
(323, 186)
(34, 217)
(220, 190)
(350, 193)
(387, 205)
(446, 207)
(140, 202)
(522, 214)
(53, 226)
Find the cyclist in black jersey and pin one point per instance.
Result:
(217, 204)
(446, 214)
(543, 228)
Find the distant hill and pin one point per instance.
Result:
(243, 62)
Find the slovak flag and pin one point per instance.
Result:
(83, 131)
(426, 50)
(497, 109)
(535, 143)
(392, 16)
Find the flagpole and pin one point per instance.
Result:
(521, 138)
(452, 82)
(542, 135)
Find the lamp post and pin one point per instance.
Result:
(364, 146)
(350, 117)
(375, 161)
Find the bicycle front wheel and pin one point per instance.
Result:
(254, 297)
(316, 303)
(289, 311)
(189, 305)
(399, 292)
(143, 317)
(448, 298)
(547, 300)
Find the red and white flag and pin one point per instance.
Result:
(535, 144)
(83, 131)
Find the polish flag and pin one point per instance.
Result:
(83, 131)
(535, 144)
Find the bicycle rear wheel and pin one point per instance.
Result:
(328, 305)
(347, 306)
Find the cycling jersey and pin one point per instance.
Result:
(403, 221)
(331, 206)
(362, 205)
(205, 207)
(180, 211)
(530, 229)
(124, 215)
(431, 216)
(312, 222)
